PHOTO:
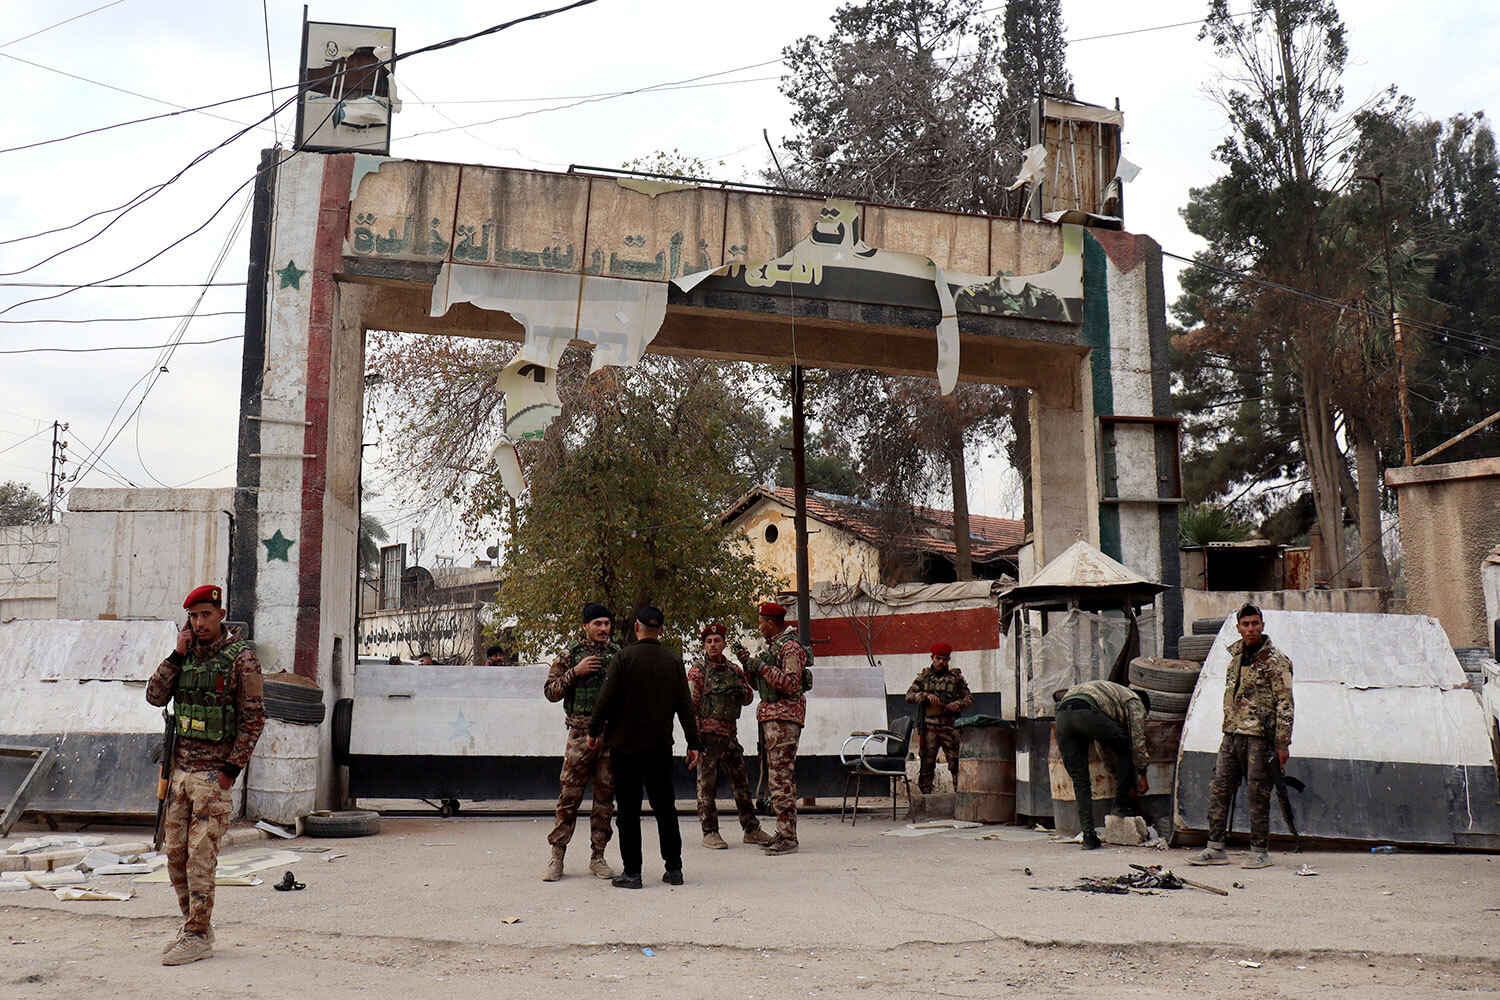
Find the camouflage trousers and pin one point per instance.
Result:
(725, 751)
(935, 737)
(781, 739)
(1244, 758)
(580, 766)
(197, 815)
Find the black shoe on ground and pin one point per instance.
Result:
(1091, 842)
(626, 882)
(672, 876)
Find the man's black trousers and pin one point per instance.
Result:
(1078, 724)
(652, 771)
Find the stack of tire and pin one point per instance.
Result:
(1195, 646)
(1169, 684)
(291, 698)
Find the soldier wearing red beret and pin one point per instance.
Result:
(943, 694)
(779, 675)
(720, 691)
(213, 680)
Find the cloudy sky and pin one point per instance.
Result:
(513, 93)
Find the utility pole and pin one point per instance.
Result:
(799, 509)
(59, 471)
(1395, 318)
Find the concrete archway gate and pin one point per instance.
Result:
(346, 243)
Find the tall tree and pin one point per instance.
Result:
(20, 504)
(1035, 56)
(902, 103)
(1274, 215)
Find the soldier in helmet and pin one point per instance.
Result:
(214, 683)
(943, 694)
(575, 679)
(720, 692)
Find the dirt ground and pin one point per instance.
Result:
(420, 910)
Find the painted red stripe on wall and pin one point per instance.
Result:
(970, 628)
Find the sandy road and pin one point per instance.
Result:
(418, 911)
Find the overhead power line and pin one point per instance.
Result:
(59, 24)
(124, 284)
(122, 319)
(120, 347)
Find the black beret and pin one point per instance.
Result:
(592, 611)
(649, 617)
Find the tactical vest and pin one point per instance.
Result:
(203, 703)
(944, 685)
(768, 694)
(723, 694)
(584, 694)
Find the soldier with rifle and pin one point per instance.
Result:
(213, 681)
(942, 695)
(1258, 714)
(720, 691)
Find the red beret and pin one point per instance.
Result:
(714, 629)
(771, 609)
(941, 649)
(206, 594)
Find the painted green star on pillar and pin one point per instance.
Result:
(277, 546)
(291, 276)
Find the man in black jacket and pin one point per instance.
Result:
(644, 686)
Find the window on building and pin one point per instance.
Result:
(392, 566)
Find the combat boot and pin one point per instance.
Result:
(189, 948)
(1257, 859)
(1213, 854)
(780, 845)
(599, 867)
(714, 842)
(180, 932)
(757, 836)
(553, 871)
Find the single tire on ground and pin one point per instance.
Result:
(343, 718)
(1158, 674)
(282, 691)
(1169, 704)
(1194, 647)
(1207, 626)
(341, 823)
(295, 711)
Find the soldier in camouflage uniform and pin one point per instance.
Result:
(720, 691)
(1258, 715)
(214, 683)
(779, 675)
(944, 695)
(575, 679)
(1114, 716)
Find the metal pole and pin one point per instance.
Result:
(1390, 286)
(799, 515)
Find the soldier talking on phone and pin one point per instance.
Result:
(213, 680)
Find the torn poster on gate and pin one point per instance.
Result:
(619, 316)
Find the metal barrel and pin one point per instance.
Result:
(281, 781)
(987, 774)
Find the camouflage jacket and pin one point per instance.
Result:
(949, 685)
(697, 676)
(1259, 689)
(1123, 706)
(250, 705)
(560, 679)
(785, 675)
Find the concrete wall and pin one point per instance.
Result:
(28, 571)
(136, 553)
(1450, 520)
(1222, 603)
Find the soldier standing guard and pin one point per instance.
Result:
(1258, 713)
(575, 679)
(214, 683)
(943, 694)
(720, 691)
(780, 675)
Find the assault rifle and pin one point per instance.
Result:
(168, 750)
(1280, 779)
